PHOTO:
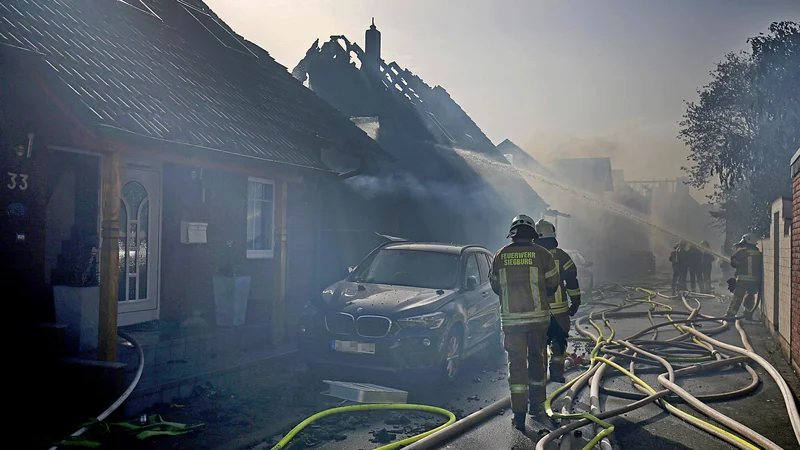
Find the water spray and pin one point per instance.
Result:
(617, 209)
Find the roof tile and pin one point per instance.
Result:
(172, 80)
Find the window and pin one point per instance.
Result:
(483, 264)
(431, 270)
(472, 269)
(260, 218)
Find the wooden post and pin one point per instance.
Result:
(279, 303)
(109, 258)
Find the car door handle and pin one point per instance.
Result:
(485, 293)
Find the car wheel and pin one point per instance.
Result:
(451, 355)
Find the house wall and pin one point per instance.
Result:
(776, 292)
(794, 341)
(187, 270)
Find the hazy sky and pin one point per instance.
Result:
(564, 78)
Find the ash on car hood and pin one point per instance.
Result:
(385, 299)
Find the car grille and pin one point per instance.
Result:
(373, 326)
(340, 323)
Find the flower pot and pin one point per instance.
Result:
(78, 308)
(230, 299)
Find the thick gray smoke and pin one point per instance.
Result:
(405, 184)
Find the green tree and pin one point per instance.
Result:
(745, 128)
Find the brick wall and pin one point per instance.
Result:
(795, 303)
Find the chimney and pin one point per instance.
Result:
(373, 40)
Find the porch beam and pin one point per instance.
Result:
(109, 257)
(279, 302)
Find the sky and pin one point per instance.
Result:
(559, 78)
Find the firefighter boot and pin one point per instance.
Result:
(519, 421)
(538, 414)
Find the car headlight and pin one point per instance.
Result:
(431, 321)
(327, 294)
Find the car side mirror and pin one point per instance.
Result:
(472, 283)
(351, 269)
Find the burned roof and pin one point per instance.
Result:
(522, 159)
(173, 71)
(435, 141)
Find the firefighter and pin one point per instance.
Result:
(678, 260)
(524, 275)
(694, 264)
(560, 309)
(748, 263)
(707, 264)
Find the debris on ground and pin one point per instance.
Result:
(473, 398)
(382, 436)
(397, 420)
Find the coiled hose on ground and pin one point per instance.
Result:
(689, 353)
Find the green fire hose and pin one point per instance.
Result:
(373, 407)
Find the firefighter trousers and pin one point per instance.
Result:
(527, 351)
(745, 292)
(558, 346)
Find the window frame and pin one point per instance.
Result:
(260, 254)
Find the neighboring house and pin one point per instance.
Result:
(133, 127)
(450, 183)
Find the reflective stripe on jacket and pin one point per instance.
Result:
(521, 274)
(567, 271)
(748, 263)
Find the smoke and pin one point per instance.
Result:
(407, 185)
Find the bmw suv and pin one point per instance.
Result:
(407, 306)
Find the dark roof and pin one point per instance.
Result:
(431, 247)
(171, 70)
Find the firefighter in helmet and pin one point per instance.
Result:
(560, 309)
(748, 262)
(524, 275)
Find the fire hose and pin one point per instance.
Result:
(700, 354)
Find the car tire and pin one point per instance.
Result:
(452, 352)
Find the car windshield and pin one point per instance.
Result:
(432, 270)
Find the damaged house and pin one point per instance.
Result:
(449, 183)
(153, 160)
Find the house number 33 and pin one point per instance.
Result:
(17, 181)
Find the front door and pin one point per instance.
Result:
(140, 226)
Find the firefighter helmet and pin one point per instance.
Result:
(545, 229)
(520, 221)
(748, 239)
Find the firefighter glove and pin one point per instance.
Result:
(574, 305)
(731, 284)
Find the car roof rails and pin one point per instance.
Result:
(465, 247)
(390, 239)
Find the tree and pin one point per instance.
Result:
(745, 128)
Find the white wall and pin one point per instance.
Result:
(783, 304)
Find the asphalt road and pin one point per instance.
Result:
(484, 381)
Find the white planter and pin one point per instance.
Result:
(78, 308)
(230, 299)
